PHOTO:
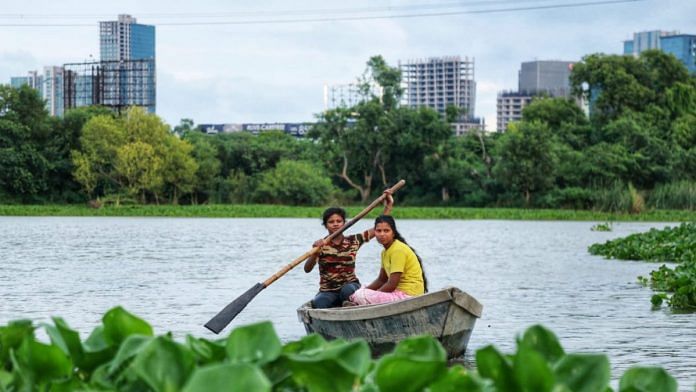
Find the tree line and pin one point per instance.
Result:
(637, 149)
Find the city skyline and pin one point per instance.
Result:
(214, 71)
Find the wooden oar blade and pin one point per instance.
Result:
(220, 321)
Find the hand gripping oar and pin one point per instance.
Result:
(220, 321)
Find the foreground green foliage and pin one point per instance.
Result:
(672, 244)
(123, 354)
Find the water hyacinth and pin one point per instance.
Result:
(123, 354)
(677, 286)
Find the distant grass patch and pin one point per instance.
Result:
(278, 211)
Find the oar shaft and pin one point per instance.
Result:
(333, 235)
(220, 321)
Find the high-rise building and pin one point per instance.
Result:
(682, 46)
(440, 82)
(548, 77)
(126, 74)
(535, 78)
(33, 80)
(125, 39)
(52, 89)
(509, 107)
(49, 85)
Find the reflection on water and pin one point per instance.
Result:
(177, 273)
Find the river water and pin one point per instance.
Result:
(177, 273)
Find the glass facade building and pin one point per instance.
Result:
(682, 46)
(545, 77)
(127, 49)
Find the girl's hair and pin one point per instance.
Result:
(392, 223)
(333, 211)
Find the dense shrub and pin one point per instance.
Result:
(295, 183)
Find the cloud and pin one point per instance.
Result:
(276, 72)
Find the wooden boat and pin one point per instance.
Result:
(448, 314)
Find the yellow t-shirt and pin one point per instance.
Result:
(400, 258)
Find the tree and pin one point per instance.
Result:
(615, 84)
(185, 126)
(95, 160)
(24, 145)
(296, 183)
(370, 141)
(208, 173)
(140, 167)
(527, 159)
(179, 168)
(135, 152)
(459, 169)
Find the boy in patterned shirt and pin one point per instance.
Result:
(337, 280)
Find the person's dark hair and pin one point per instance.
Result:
(332, 211)
(388, 219)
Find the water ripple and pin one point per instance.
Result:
(177, 273)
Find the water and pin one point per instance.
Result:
(177, 273)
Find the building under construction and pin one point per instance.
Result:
(440, 82)
(114, 84)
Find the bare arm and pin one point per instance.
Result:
(312, 260)
(392, 283)
(379, 282)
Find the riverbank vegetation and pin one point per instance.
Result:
(636, 151)
(280, 211)
(671, 244)
(124, 354)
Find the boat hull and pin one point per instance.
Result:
(449, 315)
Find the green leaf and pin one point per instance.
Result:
(414, 364)
(647, 379)
(307, 344)
(66, 338)
(255, 343)
(240, 377)
(119, 324)
(100, 378)
(41, 363)
(97, 350)
(131, 347)
(583, 372)
(206, 351)
(11, 337)
(495, 366)
(5, 379)
(164, 364)
(544, 342)
(531, 370)
(458, 379)
(337, 367)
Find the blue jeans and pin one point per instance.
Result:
(332, 299)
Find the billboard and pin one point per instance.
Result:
(294, 129)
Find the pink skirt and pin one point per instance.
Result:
(365, 296)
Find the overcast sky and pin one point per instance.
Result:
(275, 72)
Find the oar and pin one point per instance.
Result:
(220, 321)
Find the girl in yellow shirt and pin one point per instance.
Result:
(401, 275)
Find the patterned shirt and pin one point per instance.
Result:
(337, 262)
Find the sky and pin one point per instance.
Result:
(216, 72)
